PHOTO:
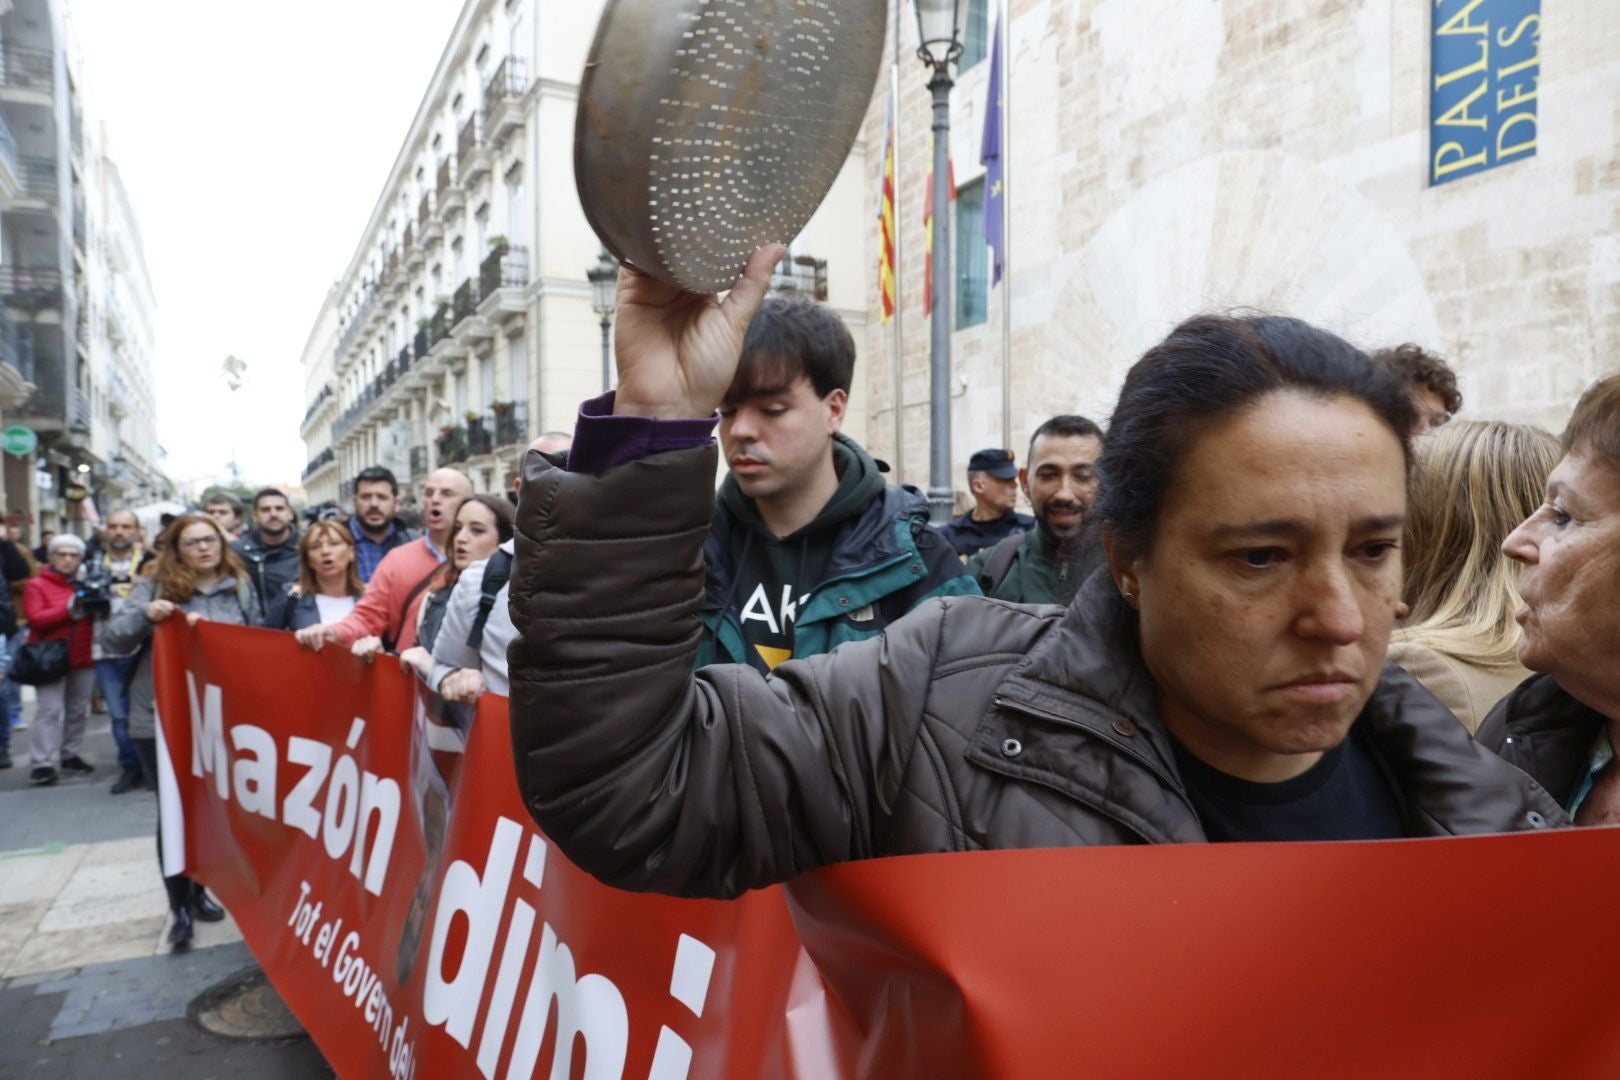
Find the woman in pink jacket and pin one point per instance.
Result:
(64, 705)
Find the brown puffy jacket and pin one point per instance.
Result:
(971, 723)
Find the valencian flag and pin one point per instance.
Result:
(928, 225)
(886, 220)
(995, 187)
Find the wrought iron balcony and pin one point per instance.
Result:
(36, 288)
(480, 439)
(422, 342)
(471, 149)
(10, 156)
(16, 347)
(424, 213)
(357, 323)
(466, 301)
(510, 421)
(452, 445)
(315, 406)
(319, 462)
(32, 68)
(448, 193)
(505, 267)
(38, 177)
(443, 320)
(503, 99)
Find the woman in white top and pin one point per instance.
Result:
(482, 524)
(328, 580)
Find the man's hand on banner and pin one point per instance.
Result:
(678, 351)
(416, 661)
(158, 610)
(313, 637)
(463, 685)
(367, 648)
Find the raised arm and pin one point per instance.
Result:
(651, 777)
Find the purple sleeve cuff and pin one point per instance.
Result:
(603, 441)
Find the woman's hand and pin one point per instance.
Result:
(193, 618)
(416, 660)
(313, 637)
(462, 685)
(158, 610)
(367, 648)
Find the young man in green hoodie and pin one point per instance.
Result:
(809, 547)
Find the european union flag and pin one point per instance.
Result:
(995, 189)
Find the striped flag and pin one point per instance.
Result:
(928, 226)
(886, 257)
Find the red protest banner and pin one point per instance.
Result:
(386, 875)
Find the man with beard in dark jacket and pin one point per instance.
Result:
(270, 547)
(1049, 563)
(809, 547)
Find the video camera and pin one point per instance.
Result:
(93, 592)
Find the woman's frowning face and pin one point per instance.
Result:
(1269, 593)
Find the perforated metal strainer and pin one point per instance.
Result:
(709, 127)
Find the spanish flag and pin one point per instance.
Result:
(928, 226)
(886, 259)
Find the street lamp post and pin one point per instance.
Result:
(604, 279)
(939, 36)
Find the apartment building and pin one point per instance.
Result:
(76, 303)
(463, 325)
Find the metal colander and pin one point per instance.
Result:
(709, 127)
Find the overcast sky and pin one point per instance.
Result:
(254, 140)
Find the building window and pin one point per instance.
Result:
(975, 34)
(518, 354)
(972, 257)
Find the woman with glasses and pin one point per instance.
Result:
(198, 576)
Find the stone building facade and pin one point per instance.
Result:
(1168, 157)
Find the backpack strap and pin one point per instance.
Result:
(497, 572)
(391, 641)
(999, 563)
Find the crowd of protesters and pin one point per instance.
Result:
(1274, 597)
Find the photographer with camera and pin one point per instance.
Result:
(108, 575)
(57, 661)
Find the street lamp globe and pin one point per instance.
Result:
(604, 279)
(939, 31)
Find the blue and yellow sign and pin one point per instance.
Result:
(1486, 73)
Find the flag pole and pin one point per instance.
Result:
(898, 347)
(1006, 225)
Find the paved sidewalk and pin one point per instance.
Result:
(87, 979)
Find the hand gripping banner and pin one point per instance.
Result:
(373, 849)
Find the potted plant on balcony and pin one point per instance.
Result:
(498, 244)
(500, 408)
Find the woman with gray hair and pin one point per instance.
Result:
(64, 701)
(1561, 726)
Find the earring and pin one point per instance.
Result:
(1130, 598)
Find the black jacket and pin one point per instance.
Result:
(969, 537)
(270, 569)
(16, 570)
(1545, 732)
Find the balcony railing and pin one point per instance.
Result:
(502, 94)
(408, 239)
(452, 445)
(34, 68)
(319, 462)
(503, 268)
(423, 341)
(470, 148)
(16, 347)
(480, 439)
(357, 323)
(37, 288)
(444, 180)
(466, 301)
(402, 362)
(78, 222)
(424, 214)
(8, 149)
(801, 276)
(38, 176)
(510, 421)
(439, 328)
(315, 406)
(419, 461)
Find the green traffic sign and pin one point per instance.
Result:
(19, 441)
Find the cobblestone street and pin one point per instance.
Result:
(87, 981)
